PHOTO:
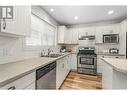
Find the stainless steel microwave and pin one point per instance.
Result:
(111, 38)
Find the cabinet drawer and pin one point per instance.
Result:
(30, 87)
(21, 83)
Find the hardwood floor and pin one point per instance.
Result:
(81, 81)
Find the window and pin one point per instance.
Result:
(42, 33)
(50, 35)
(35, 37)
(34, 40)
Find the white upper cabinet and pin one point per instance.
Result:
(109, 29)
(67, 36)
(20, 25)
(122, 40)
(73, 35)
(99, 35)
(86, 31)
(61, 34)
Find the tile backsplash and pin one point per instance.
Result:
(11, 49)
(98, 48)
(105, 48)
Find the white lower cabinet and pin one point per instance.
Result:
(99, 64)
(26, 82)
(30, 87)
(73, 61)
(62, 70)
(68, 64)
(59, 73)
(107, 73)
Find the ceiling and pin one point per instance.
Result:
(86, 14)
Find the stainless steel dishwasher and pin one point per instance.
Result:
(46, 77)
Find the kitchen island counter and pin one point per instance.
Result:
(117, 64)
(114, 73)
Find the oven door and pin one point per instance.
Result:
(86, 61)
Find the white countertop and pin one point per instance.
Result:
(117, 64)
(14, 70)
(109, 54)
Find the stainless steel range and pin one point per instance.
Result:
(87, 60)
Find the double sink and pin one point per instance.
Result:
(52, 55)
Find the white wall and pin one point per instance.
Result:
(12, 49)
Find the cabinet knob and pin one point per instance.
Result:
(12, 88)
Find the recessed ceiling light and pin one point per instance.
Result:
(51, 9)
(76, 17)
(110, 12)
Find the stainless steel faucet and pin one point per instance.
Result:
(42, 52)
(49, 51)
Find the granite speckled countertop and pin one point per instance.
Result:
(117, 64)
(11, 71)
(109, 54)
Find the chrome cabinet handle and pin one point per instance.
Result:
(12, 88)
(4, 23)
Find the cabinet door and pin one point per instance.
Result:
(81, 32)
(68, 36)
(99, 35)
(59, 73)
(122, 36)
(69, 62)
(91, 30)
(67, 66)
(21, 23)
(107, 74)
(61, 34)
(87, 31)
(21, 83)
(99, 64)
(74, 62)
(74, 33)
(111, 29)
(30, 87)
